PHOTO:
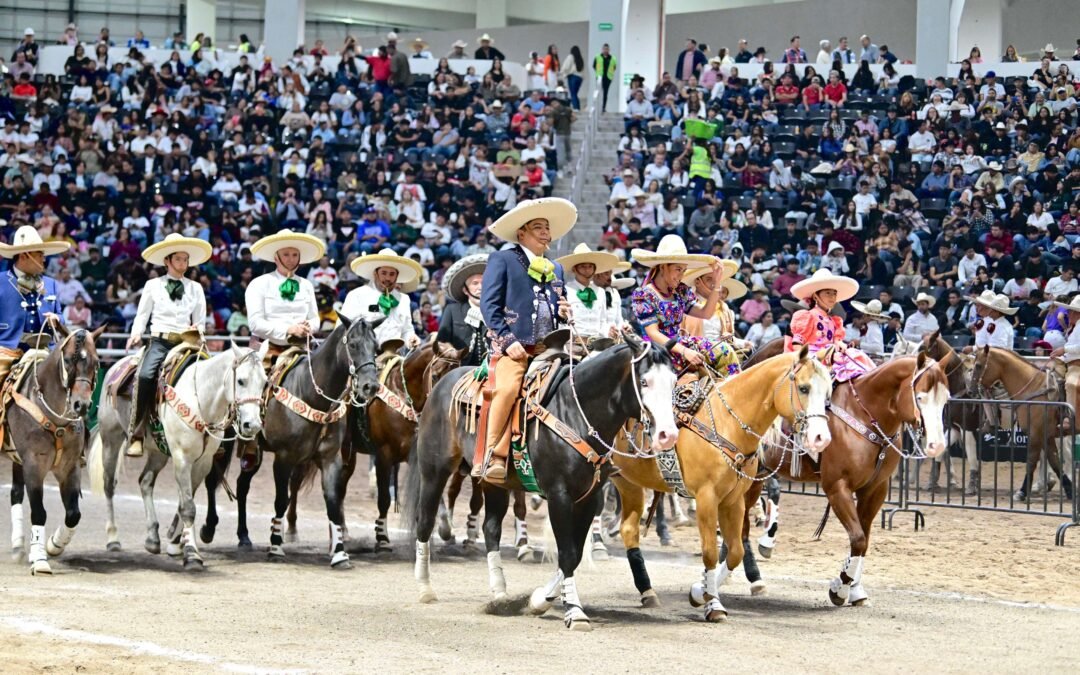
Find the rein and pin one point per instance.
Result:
(350, 397)
(195, 418)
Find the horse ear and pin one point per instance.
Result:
(345, 321)
(236, 351)
(986, 350)
(376, 322)
(920, 361)
(97, 333)
(60, 328)
(934, 337)
(804, 352)
(637, 345)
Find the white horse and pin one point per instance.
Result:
(210, 396)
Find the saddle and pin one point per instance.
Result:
(11, 385)
(178, 359)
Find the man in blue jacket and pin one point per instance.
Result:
(521, 302)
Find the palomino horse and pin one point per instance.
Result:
(634, 380)
(304, 422)
(45, 426)
(866, 420)
(717, 453)
(211, 396)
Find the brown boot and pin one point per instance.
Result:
(496, 470)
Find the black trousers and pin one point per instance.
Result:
(605, 84)
(146, 384)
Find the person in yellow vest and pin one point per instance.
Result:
(699, 133)
(605, 64)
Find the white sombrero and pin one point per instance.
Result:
(730, 268)
(311, 248)
(735, 288)
(1073, 306)
(27, 239)
(460, 44)
(623, 283)
(418, 42)
(999, 303)
(671, 249)
(485, 38)
(198, 251)
(871, 310)
(561, 215)
(604, 261)
(822, 280)
(365, 265)
(622, 266)
(986, 296)
(454, 280)
(925, 297)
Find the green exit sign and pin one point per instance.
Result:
(606, 27)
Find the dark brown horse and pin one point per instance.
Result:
(45, 424)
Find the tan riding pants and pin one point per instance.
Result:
(508, 374)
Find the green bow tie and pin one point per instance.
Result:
(542, 269)
(175, 288)
(289, 288)
(387, 303)
(587, 296)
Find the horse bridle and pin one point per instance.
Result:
(68, 415)
(351, 397)
(232, 413)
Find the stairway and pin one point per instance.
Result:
(592, 208)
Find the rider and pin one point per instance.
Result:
(609, 286)
(1069, 355)
(993, 329)
(462, 324)
(521, 301)
(823, 333)
(281, 307)
(588, 303)
(720, 327)
(380, 299)
(171, 305)
(871, 338)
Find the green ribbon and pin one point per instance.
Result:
(587, 296)
(542, 270)
(289, 289)
(175, 288)
(387, 303)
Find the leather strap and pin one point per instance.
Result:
(534, 409)
(58, 432)
(301, 408)
(397, 403)
(701, 429)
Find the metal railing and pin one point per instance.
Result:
(584, 155)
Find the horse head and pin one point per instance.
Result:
(77, 363)
(244, 395)
(810, 390)
(654, 384)
(982, 372)
(360, 351)
(930, 395)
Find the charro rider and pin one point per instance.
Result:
(609, 286)
(1067, 358)
(720, 327)
(462, 323)
(588, 303)
(870, 337)
(822, 332)
(381, 299)
(521, 303)
(171, 305)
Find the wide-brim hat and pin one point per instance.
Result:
(418, 42)
(198, 251)
(823, 168)
(730, 268)
(604, 261)
(735, 288)
(391, 37)
(485, 38)
(994, 166)
(454, 280)
(459, 44)
(623, 283)
(671, 250)
(871, 310)
(622, 266)
(999, 303)
(957, 106)
(1073, 306)
(822, 280)
(561, 215)
(311, 248)
(1049, 47)
(27, 239)
(407, 269)
(925, 297)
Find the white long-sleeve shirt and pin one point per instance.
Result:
(165, 315)
(918, 325)
(363, 303)
(1072, 346)
(613, 305)
(588, 322)
(873, 342)
(1001, 335)
(270, 315)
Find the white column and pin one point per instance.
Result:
(489, 14)
(283, 28)
(932, 26)
(642, 43)
(201, 18)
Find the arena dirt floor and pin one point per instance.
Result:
(972, 592)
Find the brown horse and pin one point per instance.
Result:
(45, 424)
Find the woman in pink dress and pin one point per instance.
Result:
(822, 332)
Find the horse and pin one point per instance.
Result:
(46, 429)
(210, 396)
(717, 453)
(525, 552)
(866, 418)
(304, 421)
(632, 380)
(962, 420)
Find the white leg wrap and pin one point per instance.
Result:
(596, 527)
(276, 529)
(852, 569)
(541, 598)
(472, 532)
(722, 573)
(522, 536)
(39, 561)
(59, 540)
(422, 568)
(857, 594)
(338, 556)
(18, 527)
(382, 535)
(190, 546)
(711, 579)
(569, 592)
(574, 617)
(496, 579)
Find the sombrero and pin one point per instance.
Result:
(311, 248)
(622, 266)
(623, 283)
(198, 251)
(365, 265)
(925, 297)
(418, 42)
(27, 239)
(454, 280)
(604, 261)
(671, 249)
(824, 279)
(986, 296)
(730, 268)
(871, 310)
(561, 215)
(1073, 306)
(735, 288)
(485, 38)
(999, 303)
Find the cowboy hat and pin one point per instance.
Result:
(365, 265)
(604, 261)
(311, 248)
(999, 303)
(561, 215)
(459, 44)
(822, 280)
(1049, 47)
(453, 283)
(27, 239)
(497, 104)
(391, 37)
(716, 59)
(198, 251)
(729, 269)
(823, 168)
(106, 109)
(1073, 306)
(927, 298)
(735, 288)
(957, 106)
(623, 283)
(994, 166)
(418, 42)
(871, 310)
(622, 266)
(485, 38)
(849, 147)
(671, 249)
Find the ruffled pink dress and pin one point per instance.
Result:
(819, 330)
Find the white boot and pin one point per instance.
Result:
(18, 531)
(59, 540)
(39, 561)
(135, 448)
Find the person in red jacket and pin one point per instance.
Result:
(380, 71)
(999, 235)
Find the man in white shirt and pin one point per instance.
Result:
(228, 188)
(323, 274)
(67, 289)
(991, 82)
(421, 250)
(588, 304)
(922, 322)
(969, 265)
(622, 189)
(171, 305)
(922, 143)
(281, 307)
(866, 333)
(138, 145)
(658, 171)
(380, 300)
(864, 200)
(1062, 285)
(993, 329)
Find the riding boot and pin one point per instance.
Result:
(973, 482)
(137, 422)
(932, 481)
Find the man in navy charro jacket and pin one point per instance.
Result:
(521, 302)
(27, 296)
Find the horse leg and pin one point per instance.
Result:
(525, 552)
(18, 522)
(432, 481)
(577, 521)
(446, 509)
(34, 481)
(291, 535)
(69, 495)
(843, 505)
(243, 486)
(971, 451)
(496, 501)
(476, 502)
(146, 487)
(184, 468)
(110, 458)
(282, 473)
(334, 494)
(216, 476)
(633, 507)
(869, 504)
(750, 568)
(704, 592)
(1052, 455)
(767, 541)
(383, 470)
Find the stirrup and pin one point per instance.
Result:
(134, 448)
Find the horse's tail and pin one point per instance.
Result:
(824, 519)
(96, 463)
(411, 507)
(308, 470)
(551, 546)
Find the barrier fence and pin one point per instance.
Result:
(985, 467)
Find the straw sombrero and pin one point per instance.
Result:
(622, 266)
(824, 279)
(1073, 306)
(999, 303)
(623, 283)
(365, 265)
(871, 310)
(418, 42)
(454, 280)
(311, 248)
(925, 297)
(604, 261)
(485, 38)
(671, 249)
(561, 215)
(730, 268)
(198, 251)
(27, 239)
(735, 288)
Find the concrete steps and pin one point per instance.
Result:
(592, 207)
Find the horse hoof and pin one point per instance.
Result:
(341, 565)
(526, 554)
(173, 550)
(206, 534)
(600, 553)
(152, 546)
(836, 598)
(650, 600)
(112, 546)
(758, 588)
(275, 553)
(427, 596)
(1020, 496)
(244, 544)
(445, 531)
(862, 602)
(18, 554)
(580, 625)
(194, 564)
(716, 616)
(538, 604)
(764, 552)
(40, 568)
(383, 546)
(697, 594)
(292, 536)
(500, 596)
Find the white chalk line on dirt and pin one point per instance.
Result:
(139, 647)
